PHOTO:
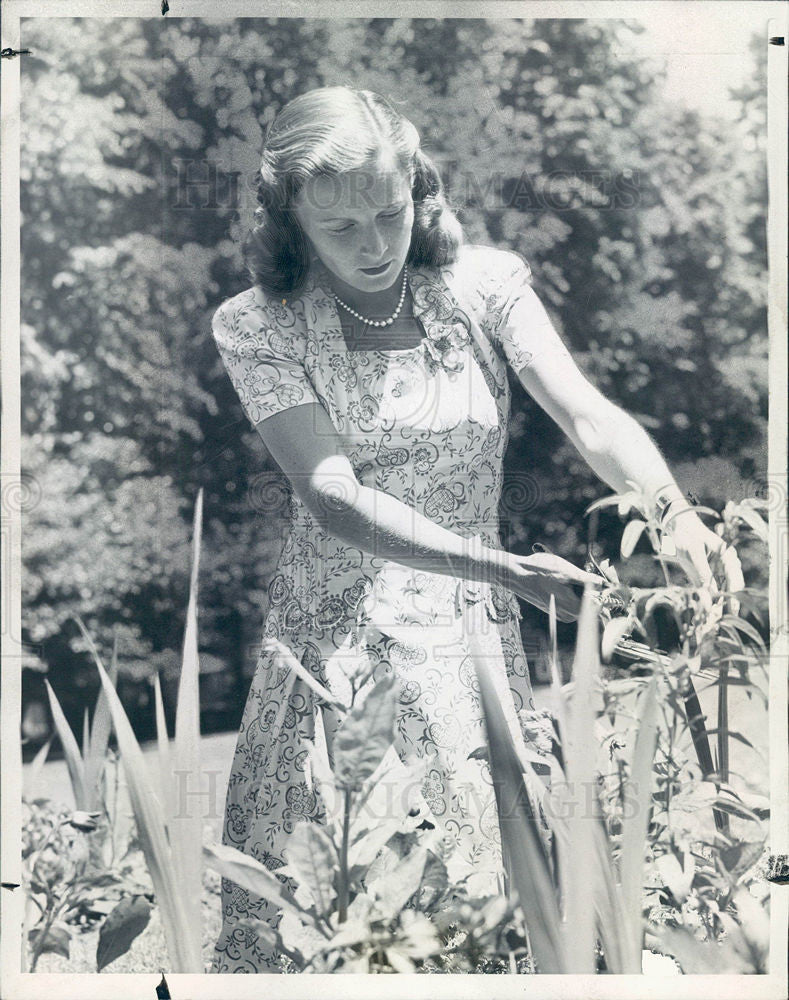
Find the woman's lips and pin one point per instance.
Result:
(376, 270)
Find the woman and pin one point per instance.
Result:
(371, 355)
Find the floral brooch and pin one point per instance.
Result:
(447, 347)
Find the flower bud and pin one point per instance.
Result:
(87, 822)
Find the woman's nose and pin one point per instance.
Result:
(372, 243)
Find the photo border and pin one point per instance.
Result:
(15, 985)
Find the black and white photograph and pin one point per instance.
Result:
(394, 499)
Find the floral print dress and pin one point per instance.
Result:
(428, 425)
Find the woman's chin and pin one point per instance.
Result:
(372, 284)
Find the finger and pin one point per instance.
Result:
(735, 581)
(581, 578)
(699, 559)
(733, 569)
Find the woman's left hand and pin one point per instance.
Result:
(692, 543)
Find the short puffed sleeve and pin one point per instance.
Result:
(262, 349)
(523, 329)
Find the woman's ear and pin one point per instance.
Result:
(426, 181)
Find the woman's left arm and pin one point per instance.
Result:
(612, 442)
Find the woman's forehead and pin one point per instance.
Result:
(373, 185)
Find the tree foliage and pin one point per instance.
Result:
(644, 224)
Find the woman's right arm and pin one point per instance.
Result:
(305, 444)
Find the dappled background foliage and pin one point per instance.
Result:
(644, 224)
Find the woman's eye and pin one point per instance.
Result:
(384, 215)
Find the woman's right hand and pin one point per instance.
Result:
(536, 577)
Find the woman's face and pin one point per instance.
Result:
(359, 224)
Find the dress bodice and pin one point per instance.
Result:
(426, 424)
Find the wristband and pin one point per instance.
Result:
(664, 500)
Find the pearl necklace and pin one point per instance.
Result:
(377, 322)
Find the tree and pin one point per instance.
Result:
(643, 225)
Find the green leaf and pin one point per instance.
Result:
(744, 627)
(613, 633)
(627, 502)
(265, 933)
(635, 827)
(740, 857)
(395, 888)
(383, 866)
(735, 808)
(364, 850)
(753, 602)
(578, 870)
(365, 735)
(174, 907)
(85, 732)
(754, 521)
(694, 956)
(435, 882)
(87, 822)
(731, 734)
(322, 774)
(126, 922)
(300, 938)
(677, 877)
(164, 760)
(630, 537)
(287, 659)
(755, 928)
(249, 873)
(186, 829)
(351, 933)
(74, 762)
(312, 861)
(755, 800)
(392, 781)
(610, 501)
(661, 599)
(56, 940)
(100, 736)
(557, 695)
(611, 920)
(524, 854)
(698, 509)
(399, 961)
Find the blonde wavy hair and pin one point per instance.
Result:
(327, 131)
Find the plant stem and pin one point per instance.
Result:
(48, 917)
(701, 742)
(698, 730)
(342, 915)
(723, 733)
(671, 729)
(42, 935)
